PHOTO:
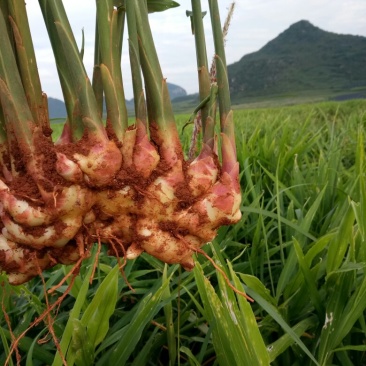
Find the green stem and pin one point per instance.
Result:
(3, 137)
(4, 8)
(160, 112)
(221, 70)
(226, 115)
(83, 111)
(201, 56)
(161, 109)
(97, 75)
(12, 95)
(70, 96)
(138, 92)
(209, 134)
(5, 162)
(82, 49)
(118, 35)
(110, 28)
(27, 62)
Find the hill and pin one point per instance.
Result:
(56, 108)
(303, 58)
(176, 91)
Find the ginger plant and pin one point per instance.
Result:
(127, 186)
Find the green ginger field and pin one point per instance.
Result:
(299, 251)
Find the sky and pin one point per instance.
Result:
(255, 23)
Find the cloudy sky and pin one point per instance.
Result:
(255, 22)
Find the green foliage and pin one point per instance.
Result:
(299, 252)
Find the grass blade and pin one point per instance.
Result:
(148, 307)
(280, 345)
(274, 313)
(168, 311)
(231, 326)
(74, 314)
(97, 314)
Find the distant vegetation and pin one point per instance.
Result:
(56, 108)
(302, 59)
